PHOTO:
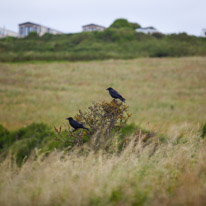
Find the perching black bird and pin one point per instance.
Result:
(115, 94)
(76, 125)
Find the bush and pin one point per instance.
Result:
(135, 25)
(203, 131)
(108, 131)
(32, 35)
(3, 137)
(117, 35)
(104, 121)
(121, 23)
(47, 36)
(21, 143)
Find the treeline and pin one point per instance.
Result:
(119, 41)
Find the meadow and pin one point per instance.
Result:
(165, 95)
(161, 92)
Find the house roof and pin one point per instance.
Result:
(28, 22)
(93, 25)
(3, 29)
(147, 28)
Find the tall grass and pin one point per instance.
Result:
(170, 173)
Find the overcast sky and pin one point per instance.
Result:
(168, 16)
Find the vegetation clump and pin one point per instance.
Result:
(104, 120)
(108, 131)
(123, 23)
(22, 142)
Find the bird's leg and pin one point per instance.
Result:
(115, 101)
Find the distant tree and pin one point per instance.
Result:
(123, 23)
(120, 23)
(135, 25)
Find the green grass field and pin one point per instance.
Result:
(161, 93)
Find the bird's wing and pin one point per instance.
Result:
(80, 124)
(116, 93)
(75, 123)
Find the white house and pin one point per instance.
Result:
(27, 27)
(93, 27)
(147, 30)
(5, 32)
(203, 33)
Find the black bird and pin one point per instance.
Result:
(76, 125)
(115, 94)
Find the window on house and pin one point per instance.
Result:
(21, 31)
(30, 28)
(26, 30)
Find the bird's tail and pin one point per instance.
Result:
(85, 128)
(122, 99)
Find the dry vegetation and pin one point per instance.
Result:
(172, 173)
(167, 95)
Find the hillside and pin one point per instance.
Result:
(119, 41)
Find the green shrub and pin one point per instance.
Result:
(203, 131)
(22, 142)
(47, 36)
(32, 35)
(108, 130)
(135, 25)
(104, 120)
(121, 23)
(4, 133)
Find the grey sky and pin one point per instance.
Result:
(168, 16)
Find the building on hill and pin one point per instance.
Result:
(5, 33)
(147, 30)
(203, 33)
(27, 27)
(93, 27)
